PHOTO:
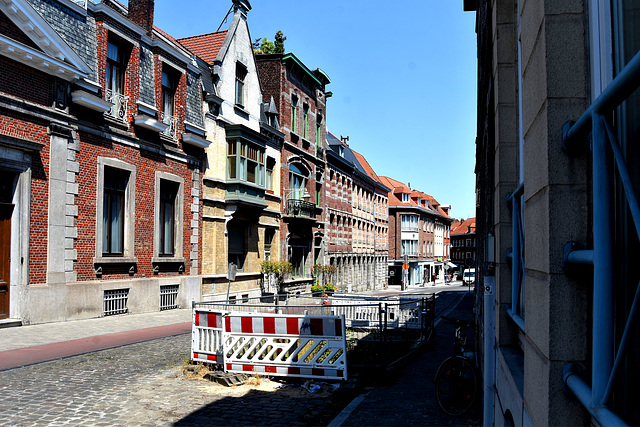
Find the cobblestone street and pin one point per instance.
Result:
(142, 384)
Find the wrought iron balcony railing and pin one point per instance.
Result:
(301, 208)
(119, 101)
(172, 122)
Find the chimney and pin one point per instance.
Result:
(141, 13)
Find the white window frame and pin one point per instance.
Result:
(178, 219)
(128, 253)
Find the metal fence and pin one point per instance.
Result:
(115, 301)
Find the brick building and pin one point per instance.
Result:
(241, 183)
(463, 243)
(418, 236)
(299, 95)
(355, 219)
(101, 140)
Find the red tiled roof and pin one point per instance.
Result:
(463, 227)
(367, 167)
(206, 46)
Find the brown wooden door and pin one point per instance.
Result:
(5, 253)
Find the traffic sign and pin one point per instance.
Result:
(469, 261)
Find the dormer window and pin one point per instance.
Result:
(114, 79)
(406, 198)
(341, 151)
(241, 75)
(169, 85)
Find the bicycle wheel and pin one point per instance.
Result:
(456, 386)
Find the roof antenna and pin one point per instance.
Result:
(225, 19)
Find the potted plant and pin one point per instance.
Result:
(329, 288)
(317, 290)
(274, 273)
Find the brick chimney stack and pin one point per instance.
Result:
(141, 13)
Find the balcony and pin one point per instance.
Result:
(119, 101)
(301, 208)
(171, 121)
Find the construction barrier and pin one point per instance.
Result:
(206, 336)
(281, 345)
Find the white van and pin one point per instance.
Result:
(469, 276)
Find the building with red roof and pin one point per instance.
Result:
(463, 243)
(419, 246)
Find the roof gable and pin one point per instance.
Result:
(51, 53)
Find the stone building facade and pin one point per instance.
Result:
(241, 182)
(556, 243)
(96, 109)
(299, 96)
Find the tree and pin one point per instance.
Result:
(266, 46)
(279, 44)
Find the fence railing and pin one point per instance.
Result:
(172, 122)
(301, 208)
(607, 360)
(119, 101)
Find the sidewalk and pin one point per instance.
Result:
(25, 345)
(411, 400)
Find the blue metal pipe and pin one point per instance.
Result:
(624, 343)
(603, 255)
(624, 177)
(604, 415)
(617, 91)
(581, 257)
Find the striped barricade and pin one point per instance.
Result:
(206, 336)
(286, 345)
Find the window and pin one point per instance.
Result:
(245, 161)
(298, 252)
(405, 198)
(116, 205)
(115, 185)
(409, 222)
(319, 130)
(167, 243)
(270, 165)
(305, 121)
(168, 93)
(294, 113)
(236, 240)
(409, 247)
(297, 181)
(169, 85)
(241, 75)
(114, 79)
(268, 240)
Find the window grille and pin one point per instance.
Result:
(168, 297)
(115, 301)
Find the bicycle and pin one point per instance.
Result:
(456, 380)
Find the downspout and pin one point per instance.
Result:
(489, 349)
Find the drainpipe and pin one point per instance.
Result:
(489, 351)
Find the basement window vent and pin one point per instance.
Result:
(168, 297)
(115, 301)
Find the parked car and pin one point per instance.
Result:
(469, 276)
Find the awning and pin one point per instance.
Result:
(451, 265)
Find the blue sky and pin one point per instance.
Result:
(403, 77)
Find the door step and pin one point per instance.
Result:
(10, 323)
